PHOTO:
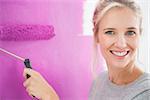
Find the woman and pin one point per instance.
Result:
(117, 30)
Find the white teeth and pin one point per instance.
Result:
(119, 53)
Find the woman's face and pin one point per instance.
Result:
(118, 36)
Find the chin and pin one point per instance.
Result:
(118, 64)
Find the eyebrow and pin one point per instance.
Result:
(109, 29)
(115, 28)
(131, 28)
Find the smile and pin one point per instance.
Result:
(119, 53)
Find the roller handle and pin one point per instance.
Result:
(27, 64)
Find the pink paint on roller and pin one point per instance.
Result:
(26, 32)
(25, 20)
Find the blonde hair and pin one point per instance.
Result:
(101, 9)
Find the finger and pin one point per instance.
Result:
(27, 82)
(32, 93)
(30, 72)
(30, 90)
(27, 71)
(34, 97)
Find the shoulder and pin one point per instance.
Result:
(101, 77)
(144, 81)
(97, 84)
(142, 88)
(145, 95)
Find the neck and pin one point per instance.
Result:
(122, 76)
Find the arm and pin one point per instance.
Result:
(37, 86)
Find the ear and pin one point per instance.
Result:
(95, 36)
(96, 39)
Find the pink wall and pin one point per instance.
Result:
(64, 60)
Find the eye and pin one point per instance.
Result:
(130, 33)
(110, 32)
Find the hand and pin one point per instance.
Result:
(37, 86)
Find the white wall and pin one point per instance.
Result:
(143, 58)
(144, 50)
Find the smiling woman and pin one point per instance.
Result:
(143, 54)
(119, 38)
(117, 31)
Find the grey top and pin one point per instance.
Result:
(103, 89)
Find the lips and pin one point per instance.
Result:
(119, 53)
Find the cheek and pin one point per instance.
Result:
(134, 44)
(104, 47)
(102, 50)
(105, 42)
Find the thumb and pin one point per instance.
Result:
(27, 71)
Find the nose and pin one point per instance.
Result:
(121, 42)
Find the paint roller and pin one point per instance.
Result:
(26, 20)
(25, 33)
(26, 61)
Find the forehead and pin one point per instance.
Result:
(120, 17)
